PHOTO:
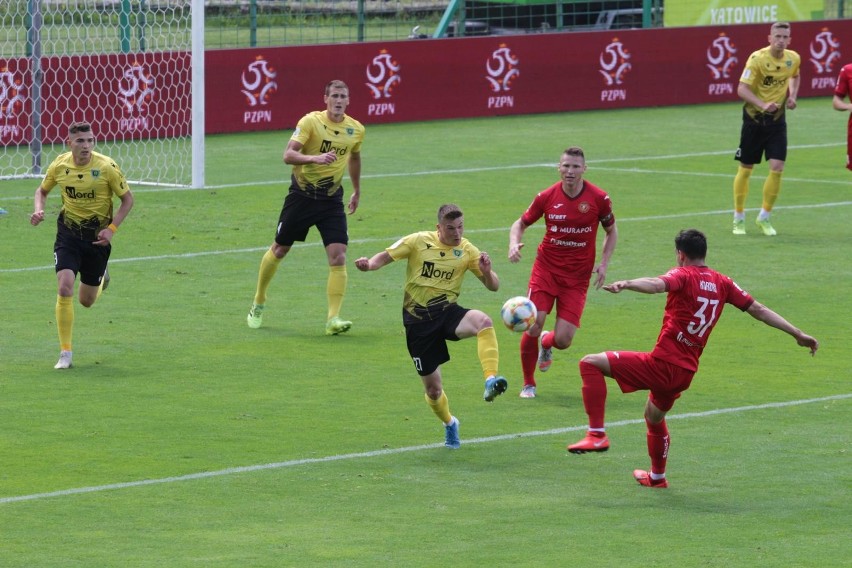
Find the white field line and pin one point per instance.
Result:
(393, 451)
(594, 164)
(392, 238)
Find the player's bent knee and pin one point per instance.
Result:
(594, 359)
(477, 320)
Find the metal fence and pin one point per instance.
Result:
(239, 23)
(232, 23)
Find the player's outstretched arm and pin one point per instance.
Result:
(761, 313)
(378, 260)
(647, 285)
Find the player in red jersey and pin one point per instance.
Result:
(696, 297)
(565, 261)
(842, 90)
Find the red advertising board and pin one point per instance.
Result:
(147, 95)
(426, 79)
(126, 96)
(14, 101)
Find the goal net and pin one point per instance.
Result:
(123, 65)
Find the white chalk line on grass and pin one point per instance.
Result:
(787, 179)
(390, 239)
(592, 163)
(394, 451)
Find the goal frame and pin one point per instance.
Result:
(34, 97)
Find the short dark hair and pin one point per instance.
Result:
(575, 151)
(782, 25)
(449, 212)
(335, 84)
(692, 243)
(79, 127)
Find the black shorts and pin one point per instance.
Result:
(762, 137)
(427, 340)
(300, 213)
(74, 250)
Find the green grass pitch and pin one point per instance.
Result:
(183, 438)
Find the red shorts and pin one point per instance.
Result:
(849, 144)
(635, 371)
(569, 294)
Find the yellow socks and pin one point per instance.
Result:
(440, 407)
(741, 188)
(771, 189)
(268, 267)
(65, 321)
(486, 348)
(336, 287)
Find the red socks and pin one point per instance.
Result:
(658, 446)
(529, 358)
(594, 394)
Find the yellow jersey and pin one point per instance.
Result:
(435, 272)
(87, 191)
(318, 135)
(769, 78)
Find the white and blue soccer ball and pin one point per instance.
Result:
(518, 313)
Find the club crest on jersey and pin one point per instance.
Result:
(583, 207)
(457, 253)
(350, 131)
(96, 173)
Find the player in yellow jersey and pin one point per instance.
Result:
(320, 149)
(86, 225)
(437, 262)
(769, 86)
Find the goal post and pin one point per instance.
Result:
(126, 66)
(198, 94)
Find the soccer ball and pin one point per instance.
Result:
(518, 313)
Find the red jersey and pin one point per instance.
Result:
(843, 88)
(696, 298)
(569, 239)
